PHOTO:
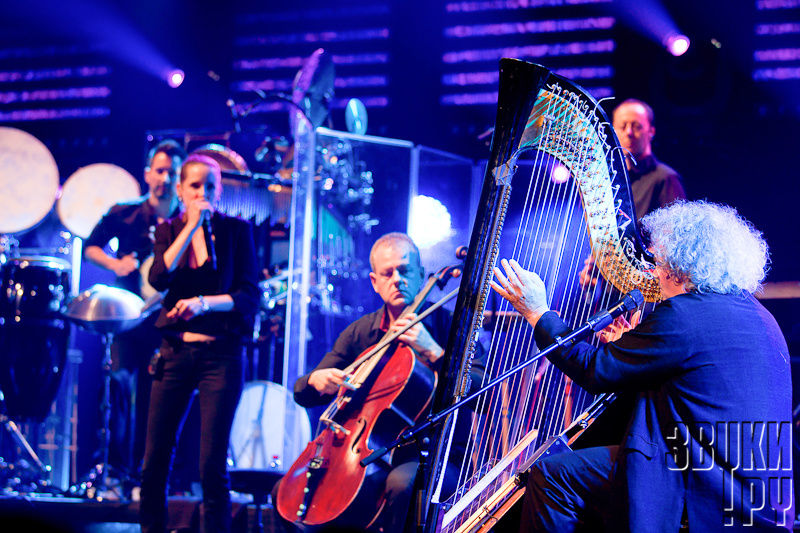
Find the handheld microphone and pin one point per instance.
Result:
(212, 252)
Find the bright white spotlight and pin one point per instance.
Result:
(559, 174)
(175, 78)
(430, 222)
(677, 44)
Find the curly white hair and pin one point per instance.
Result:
(709, 244)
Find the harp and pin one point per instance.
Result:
(569, 200)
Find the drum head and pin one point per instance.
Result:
(269, 430)
(90, 192)
(28, 180)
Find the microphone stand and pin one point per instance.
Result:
(596, 323)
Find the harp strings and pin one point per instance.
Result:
(554, 243)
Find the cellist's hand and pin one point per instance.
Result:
(418, 338)
(327, 380)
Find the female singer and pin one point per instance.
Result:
(205, 262)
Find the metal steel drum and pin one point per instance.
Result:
(103, 309)
(33, 334)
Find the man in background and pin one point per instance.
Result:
(653, 183)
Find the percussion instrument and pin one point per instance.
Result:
(90, 192)
(33, 334)
(229, 161)
(103, 309)
(244, 196)
(106, 311)
(28, 180)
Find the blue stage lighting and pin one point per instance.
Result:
(677, 44)
(175, 78)
(430, 222)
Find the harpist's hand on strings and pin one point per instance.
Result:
(523, 289)
(326, 380)
(588, 275)
(614, 331)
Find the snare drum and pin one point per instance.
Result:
(33, 334)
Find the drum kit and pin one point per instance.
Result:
(37, 299)
(38, 286)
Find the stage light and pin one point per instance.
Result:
(175, 78)
(430, 222)
(559, 174)
(677, 44)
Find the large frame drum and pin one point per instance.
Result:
(33, 334)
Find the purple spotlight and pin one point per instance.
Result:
(175, 78)
(677, 44)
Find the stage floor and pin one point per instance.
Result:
(47, 514)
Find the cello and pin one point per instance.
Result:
(386, 390)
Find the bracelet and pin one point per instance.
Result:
(204, 304)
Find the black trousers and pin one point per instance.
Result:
(573, 491)
(216, 372)
(130, 394)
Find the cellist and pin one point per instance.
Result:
(397, 276)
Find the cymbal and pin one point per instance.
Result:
(103, 309)
(229, 161)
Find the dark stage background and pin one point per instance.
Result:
(86, 78)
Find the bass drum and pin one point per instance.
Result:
(33, 334)
(269, 429)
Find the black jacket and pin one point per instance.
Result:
(236, 275)
(713, 413)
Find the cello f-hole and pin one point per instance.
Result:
(361, 424)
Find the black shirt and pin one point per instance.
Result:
(133, 224)
(365, 332)
(653, 185)
(236, 275)
(357, 337)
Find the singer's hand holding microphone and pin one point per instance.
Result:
(197, 211)
(198, 214)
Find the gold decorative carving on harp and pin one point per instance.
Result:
(570, 200)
